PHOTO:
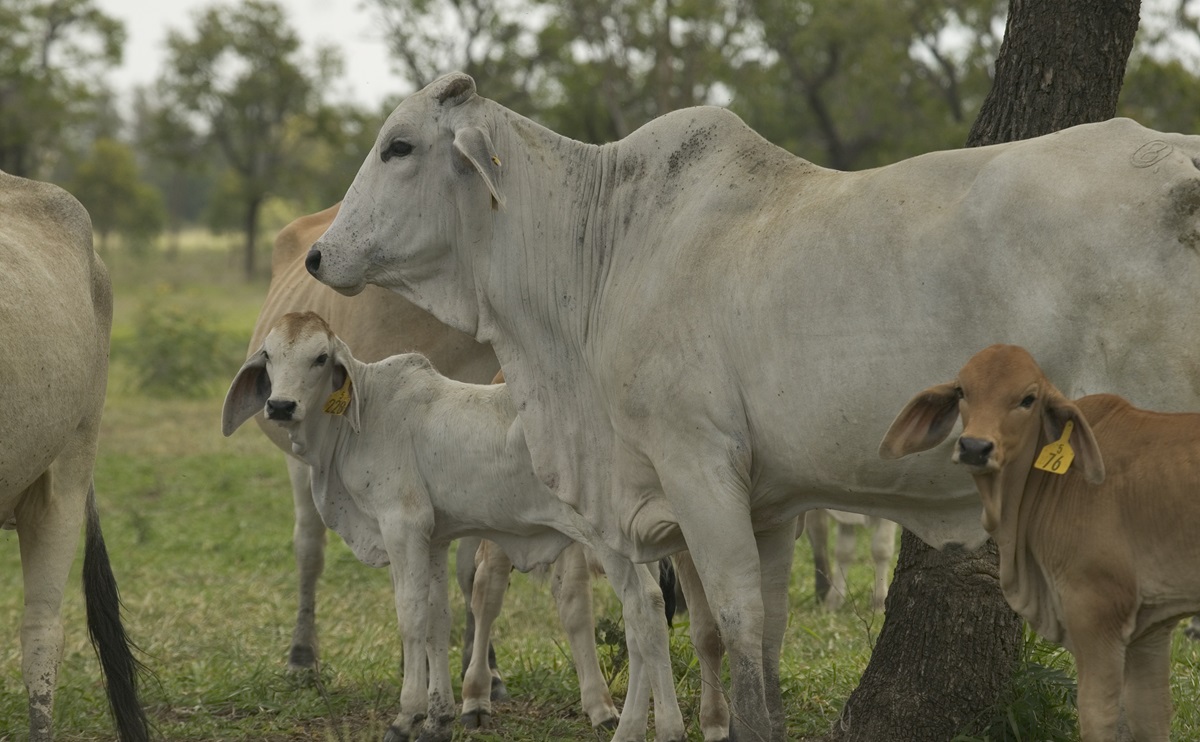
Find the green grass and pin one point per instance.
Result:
(199, 528)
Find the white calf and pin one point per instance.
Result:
(404, 460)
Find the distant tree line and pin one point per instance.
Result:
(242, 115)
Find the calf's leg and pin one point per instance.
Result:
(487, 597)
(308, 544)
(1147, 694)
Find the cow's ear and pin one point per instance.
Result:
(345, 367)
(454, 89)
(923, 423)
(247, 394)
(475, 146)
(1055, 414)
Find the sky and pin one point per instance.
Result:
(344, 24)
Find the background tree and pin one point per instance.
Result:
(52, 60)
(107, 183)
(949, 642)
(240, 84)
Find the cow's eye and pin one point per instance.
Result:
(1028, 401)
(395, 148)
(321, 359)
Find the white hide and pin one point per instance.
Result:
(705, 335)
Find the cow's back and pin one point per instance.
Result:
(55, 319)
(375, 324)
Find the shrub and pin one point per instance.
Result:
(176, 352)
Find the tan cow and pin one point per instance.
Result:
(55, 319)
(1101, 564)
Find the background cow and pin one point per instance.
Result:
(1093, 506)
(704, 334)
(831, 588)
(56, 305)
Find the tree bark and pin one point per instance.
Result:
(251, 228)
(949, 642)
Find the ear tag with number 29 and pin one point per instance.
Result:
(1056, 457)
(339, 400)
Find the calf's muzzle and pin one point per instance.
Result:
(279, 409)
(974, 451)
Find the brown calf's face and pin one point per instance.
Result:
(1005, 401)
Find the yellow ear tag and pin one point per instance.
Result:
(1056, 457)
(339, 400)
(495, 160)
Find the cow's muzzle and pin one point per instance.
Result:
(280, 409)
(974, 451)
(312, 262)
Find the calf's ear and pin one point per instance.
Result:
(1055, 414)
(345, 368)
(923, 423)
(475, 146)
(247, 394)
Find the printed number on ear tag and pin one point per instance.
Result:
(1056, 457)
(339, 400)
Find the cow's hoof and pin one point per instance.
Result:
(608, 724)
(301, 658)
(478, 719)
(499, 691)
(395, 734)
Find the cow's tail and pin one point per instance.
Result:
(121, 668)
(666, 583)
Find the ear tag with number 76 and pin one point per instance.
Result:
(1056, 457)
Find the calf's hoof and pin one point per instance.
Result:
(608, 724)
(478, 719)
(301, 658)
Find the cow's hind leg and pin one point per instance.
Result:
(48, 531)
(1147, 695)
(571, 586)
(816, 526)
(706, 639)
(308, 544)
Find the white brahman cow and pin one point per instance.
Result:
(402, 461)
(55, 318)
(703, 334)
(1093, 506)
(831, 585)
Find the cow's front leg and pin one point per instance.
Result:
(409, 552)
(492, 567)
(1147, 695)
(776, 548)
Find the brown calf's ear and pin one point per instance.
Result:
(1056, 412)
(476, 146)
(923, 423)
(247, 394)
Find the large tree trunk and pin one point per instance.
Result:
(949, 642)
(253, 205)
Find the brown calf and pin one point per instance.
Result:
(1103, 564)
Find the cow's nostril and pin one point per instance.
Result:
(974, 451)
(280, 409)
(313, 261)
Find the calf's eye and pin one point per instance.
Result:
(1028, 401)
(321, 359)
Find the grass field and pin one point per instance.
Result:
(199, 528)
